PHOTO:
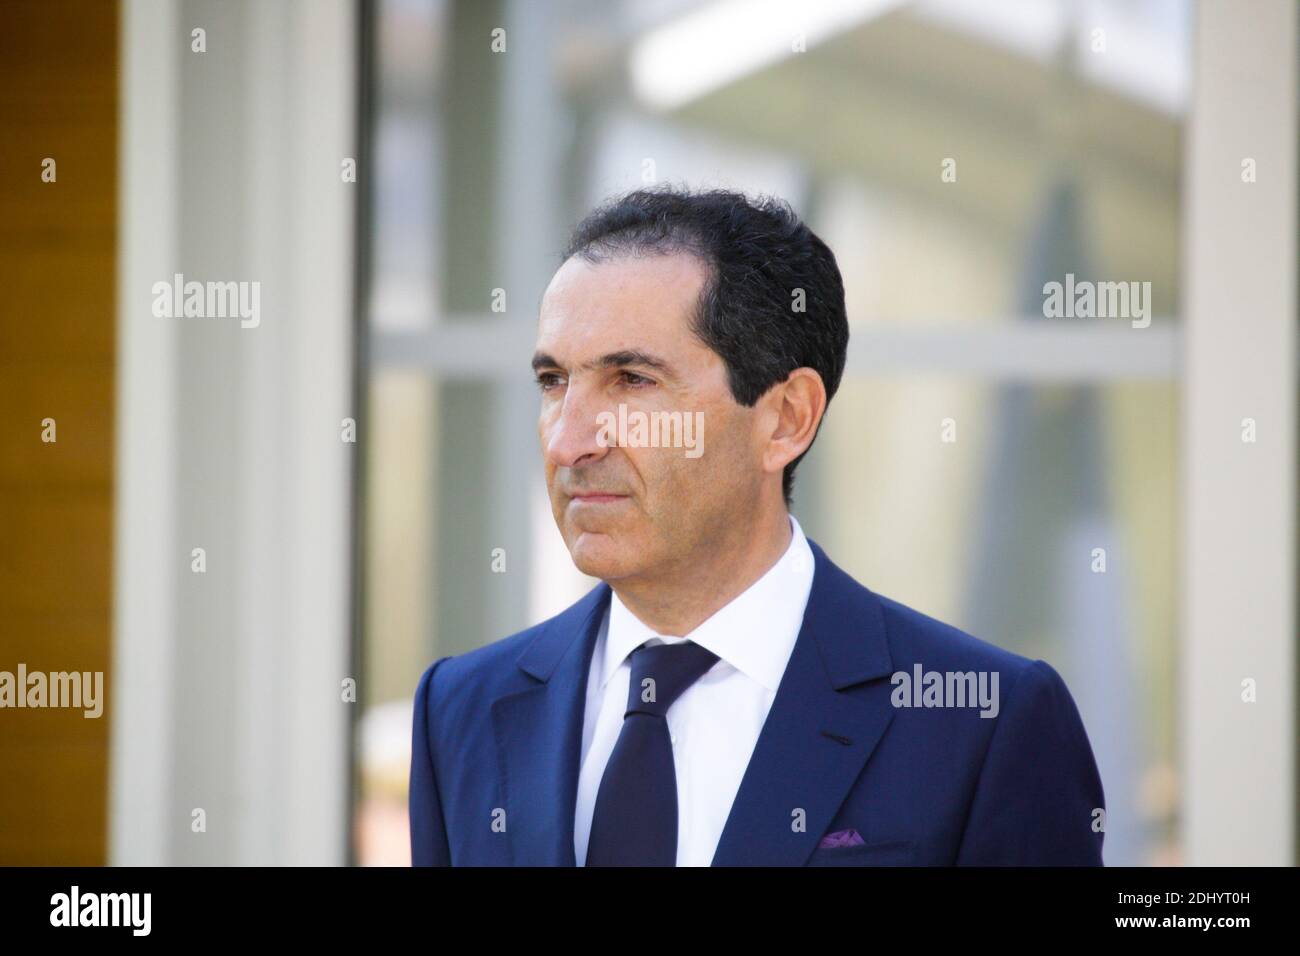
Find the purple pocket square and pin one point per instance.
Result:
(841, 838)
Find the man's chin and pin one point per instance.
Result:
(600, 555)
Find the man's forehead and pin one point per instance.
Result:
(623, 303)
(651, 282)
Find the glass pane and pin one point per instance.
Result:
(401, 482)
(956, 160)
(405, 203)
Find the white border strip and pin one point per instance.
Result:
(144, 560)
(1239, 506)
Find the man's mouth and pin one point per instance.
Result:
(595, 497)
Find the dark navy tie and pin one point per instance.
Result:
(635, 819)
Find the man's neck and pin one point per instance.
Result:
(699, 590)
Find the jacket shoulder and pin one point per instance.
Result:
(457, 680)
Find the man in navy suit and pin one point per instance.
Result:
(726, 695)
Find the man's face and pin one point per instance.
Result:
(616, 333)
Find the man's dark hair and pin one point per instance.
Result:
(760, 255)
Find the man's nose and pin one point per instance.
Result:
(572, 434)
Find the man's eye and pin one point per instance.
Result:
(546, 380)
(632, 378)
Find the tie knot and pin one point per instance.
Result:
(662, 672)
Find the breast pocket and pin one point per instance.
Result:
(892, 853)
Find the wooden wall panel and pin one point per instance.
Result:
(58, 98)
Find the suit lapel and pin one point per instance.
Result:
(539, 734)
(816, 739)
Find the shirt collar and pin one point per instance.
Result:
(754, 633)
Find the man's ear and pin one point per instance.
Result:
(799, 402)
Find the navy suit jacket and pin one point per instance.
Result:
(497, 734)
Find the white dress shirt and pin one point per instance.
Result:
(715, 723)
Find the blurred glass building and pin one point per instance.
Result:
(956, 156)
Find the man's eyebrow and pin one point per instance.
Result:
(542, 360)
(609, 360)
